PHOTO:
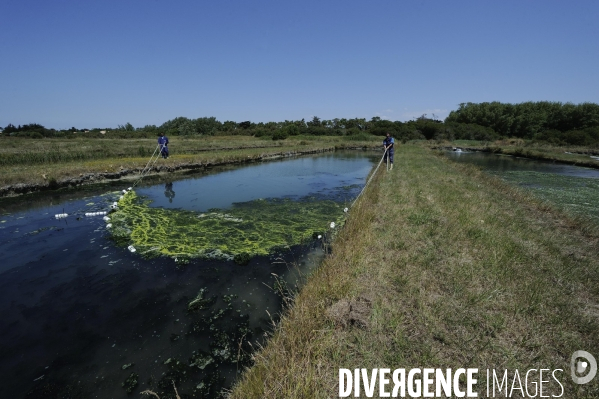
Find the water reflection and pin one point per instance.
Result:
(169, 192)
(507, 163)
(80, 316)
(292, 178)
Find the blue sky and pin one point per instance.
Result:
(103, 63)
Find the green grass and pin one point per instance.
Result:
(15, 151)
(41, 161)
(461, 270)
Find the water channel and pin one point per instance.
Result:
(83, 317)
(571, 188)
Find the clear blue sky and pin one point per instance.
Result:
(103, 63)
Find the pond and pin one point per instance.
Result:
(574, 189)
(83, 316)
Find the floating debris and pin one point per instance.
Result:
(95, 213)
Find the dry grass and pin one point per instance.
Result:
(461, 271)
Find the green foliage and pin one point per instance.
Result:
(429, 128)
(188, 127)
(245, 125)
(553, 122)
(468, 131)
(360, 136)
(253, 228)
(261, 132)
(127, 127)
(539, 120)
(242, 258)
(29, 134)
(33, 131)
(280, 135)
(292, 130)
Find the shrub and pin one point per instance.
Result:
(280, 135)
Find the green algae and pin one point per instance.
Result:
(575, 195)
(248, 229)
(200, 360)
(199, 302)
(131, 382)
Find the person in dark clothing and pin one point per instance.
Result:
(163, 142)
(388, 144)
(169, 192)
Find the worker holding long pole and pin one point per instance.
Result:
(389, 151)
(163, 143)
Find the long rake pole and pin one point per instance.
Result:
(147, 168)
(373, 173)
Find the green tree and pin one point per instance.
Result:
(127, 127)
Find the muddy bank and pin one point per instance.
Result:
(133, 174)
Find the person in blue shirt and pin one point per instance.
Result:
(388, 144)
(163, 142)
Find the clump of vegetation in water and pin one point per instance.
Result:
(199, 302)
(200, 360)
(242, 258)
(131, 382)
(248, 229)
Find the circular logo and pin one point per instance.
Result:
(581, 366)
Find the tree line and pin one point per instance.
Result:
(552, 122)
(210, 126)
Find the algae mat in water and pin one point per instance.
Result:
(251, 228)
(576, 195)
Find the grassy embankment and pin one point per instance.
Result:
(460, 270)
(580, 156)
(42, 161)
